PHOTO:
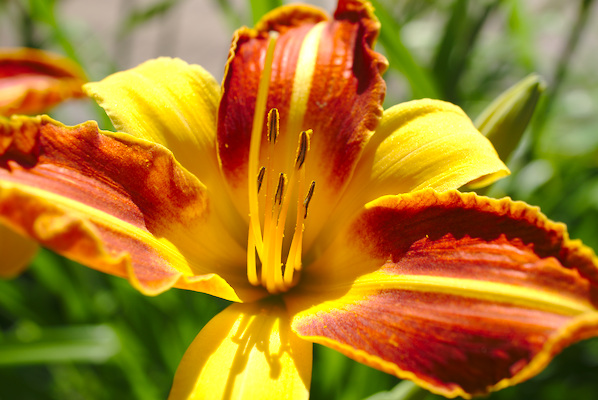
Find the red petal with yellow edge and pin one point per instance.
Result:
(248, 351)
(17, 251)
(462, 294)
(115, 203)
(32, 81)
(325, 77)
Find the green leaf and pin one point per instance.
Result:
(260, 7)
(521, 34)
(405, 390)
(45, 11)
(31, 344)
(459, 37)
(139, 17)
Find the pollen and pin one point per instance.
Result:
(272, 261)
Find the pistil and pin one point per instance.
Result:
(254, 146)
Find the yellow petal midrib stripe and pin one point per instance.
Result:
(497, 292)
(163, 246)
(303, 78)
(478, 289)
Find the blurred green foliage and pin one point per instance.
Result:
(68, 332)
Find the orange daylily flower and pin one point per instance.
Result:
(290, 192)
(32, 81)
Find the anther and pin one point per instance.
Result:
(310, 193)
(302, 149)
(260, 178)
(273, 125)
(280, 188)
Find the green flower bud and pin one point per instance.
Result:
(505, 119)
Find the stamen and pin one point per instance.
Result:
(268, 245)
(269, 263)
(251, 262)
(278, 232)
(302, 148)
(260, 178)
(297, 178)
(273, 125)
(310, 193)
(294, 258)
(280, 189)
(281, 200)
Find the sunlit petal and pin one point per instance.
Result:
(248, 351)
(461, 293)
(166, 101)
(32, 81)
(419, 144)
(425, 144)
(113, 202)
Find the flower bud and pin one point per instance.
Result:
(505, 119)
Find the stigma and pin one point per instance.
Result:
(276, 190)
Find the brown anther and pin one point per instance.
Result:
(280, 188)
(302, 149)
(260, 178)
(310, 193)
(273, 125)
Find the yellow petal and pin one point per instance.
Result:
(248, 351)
(17, 251)
(425, 144)
(420, 144)
(166, 101)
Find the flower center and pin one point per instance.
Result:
(274, 190)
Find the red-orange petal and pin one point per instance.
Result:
(332, 85)
(462, 294)
(32, 81)
(113, 202)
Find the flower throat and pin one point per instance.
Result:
(274, 190)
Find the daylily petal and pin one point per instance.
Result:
(246, 351)
(17, 251)
(32, 81)
(325, 77)
(462, 294)
(116, 203)
(168, 102)
(174, 104)
(419, 144)
(425, 144)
